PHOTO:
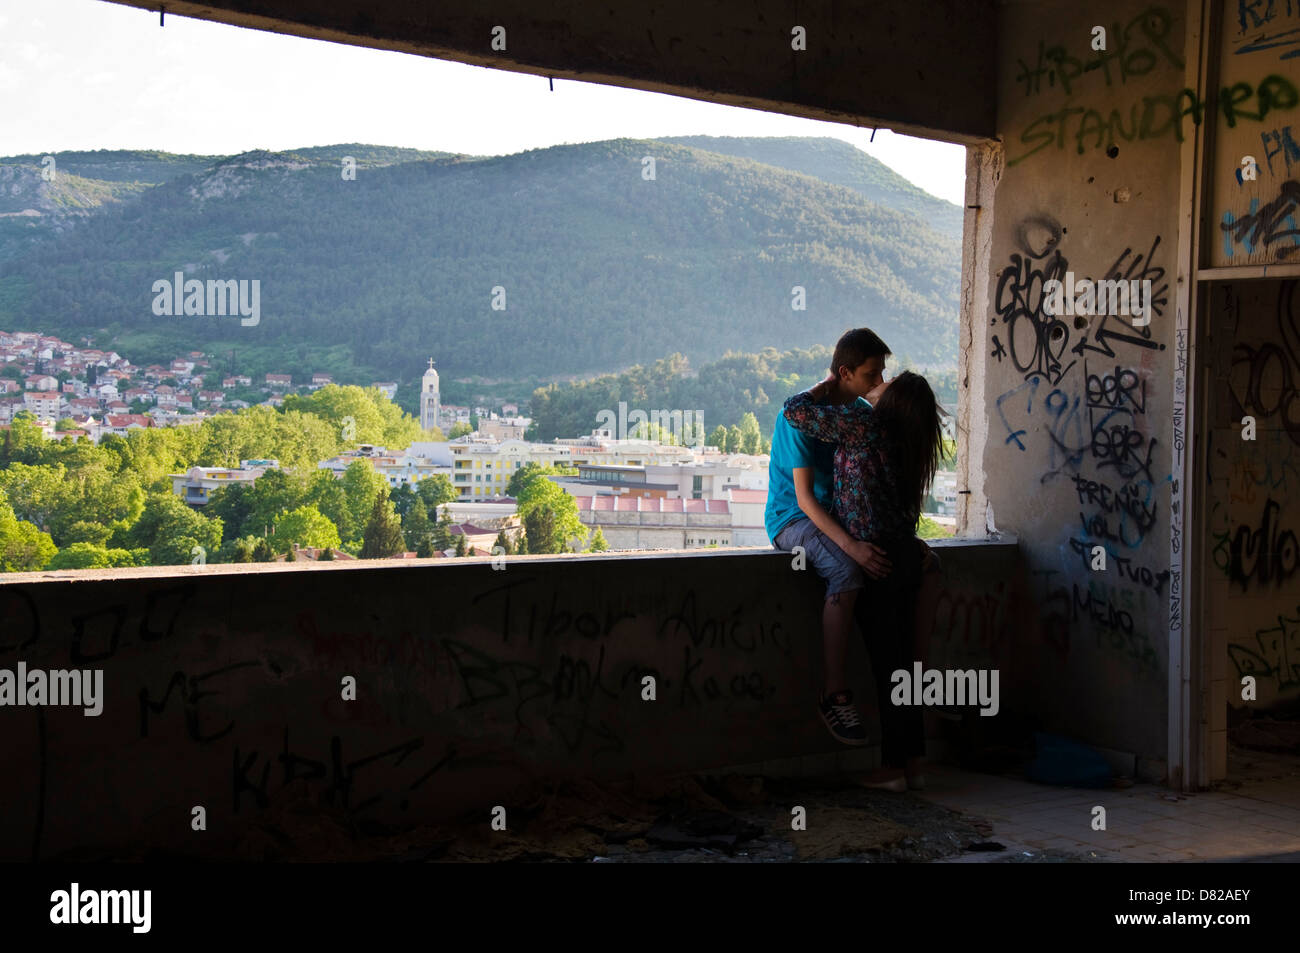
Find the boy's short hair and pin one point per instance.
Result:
(856, 347)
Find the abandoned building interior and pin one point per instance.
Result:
(1172, 443)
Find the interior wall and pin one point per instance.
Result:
(1078, 408)
(1252, 593)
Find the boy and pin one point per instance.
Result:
(800, 489)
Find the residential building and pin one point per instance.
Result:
(196, 485)
(504, 428)
(639, 523)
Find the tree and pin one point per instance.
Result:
(383, 535)
(24, 441)
(751, 438)
(530, 471)
(441, 534)
(436, 490)
(239, 550)
(23, 547)
(232, 504)
(735, 439)
(598, 542)
(402, 497)
(460, 430)
(274, 492)
(552, 531)
(80, 556)
(416, 527)
(306, 526)
(262, 552)
(460, 543)
(501, 546)
(520, 478)
(329, 496)
(170, 530)
(540, 530)
(718, 438)
(374, 419)
(36, 493)
(74, 494)
(84, 531)
(362, 486)
(927, 528)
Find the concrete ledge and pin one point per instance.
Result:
(222, 684)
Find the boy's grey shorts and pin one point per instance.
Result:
(839, 570)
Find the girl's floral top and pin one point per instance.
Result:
(867, 499)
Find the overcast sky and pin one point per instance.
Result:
(86, 74)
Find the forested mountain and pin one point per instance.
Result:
(837, 162)
(598, 266)
(722, 392)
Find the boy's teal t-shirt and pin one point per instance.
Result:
(791, 450)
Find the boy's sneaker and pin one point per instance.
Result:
(842, 718)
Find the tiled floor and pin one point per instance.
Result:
(1259, 820)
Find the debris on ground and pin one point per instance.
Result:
(682, 819)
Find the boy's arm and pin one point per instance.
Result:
(871, 558)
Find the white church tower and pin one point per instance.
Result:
(430, 405)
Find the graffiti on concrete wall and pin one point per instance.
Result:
(1262, 553)
(1080, 415)
(971, 627)
(1101, 126)
(1270, 28)
(1269, 228)
(1265, 377)
(534, 676)
(1035, 339)
(1274, 654)
(1093, 107)
(1253, 505)
(1146, 42)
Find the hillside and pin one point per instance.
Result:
(837, 162)
(601, 268)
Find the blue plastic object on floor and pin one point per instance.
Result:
(1064, 762)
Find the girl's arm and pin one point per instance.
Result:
(851, 425)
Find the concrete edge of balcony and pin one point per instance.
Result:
(376, 565)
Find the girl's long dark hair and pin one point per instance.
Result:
(909, 413)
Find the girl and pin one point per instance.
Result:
(885, 461)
